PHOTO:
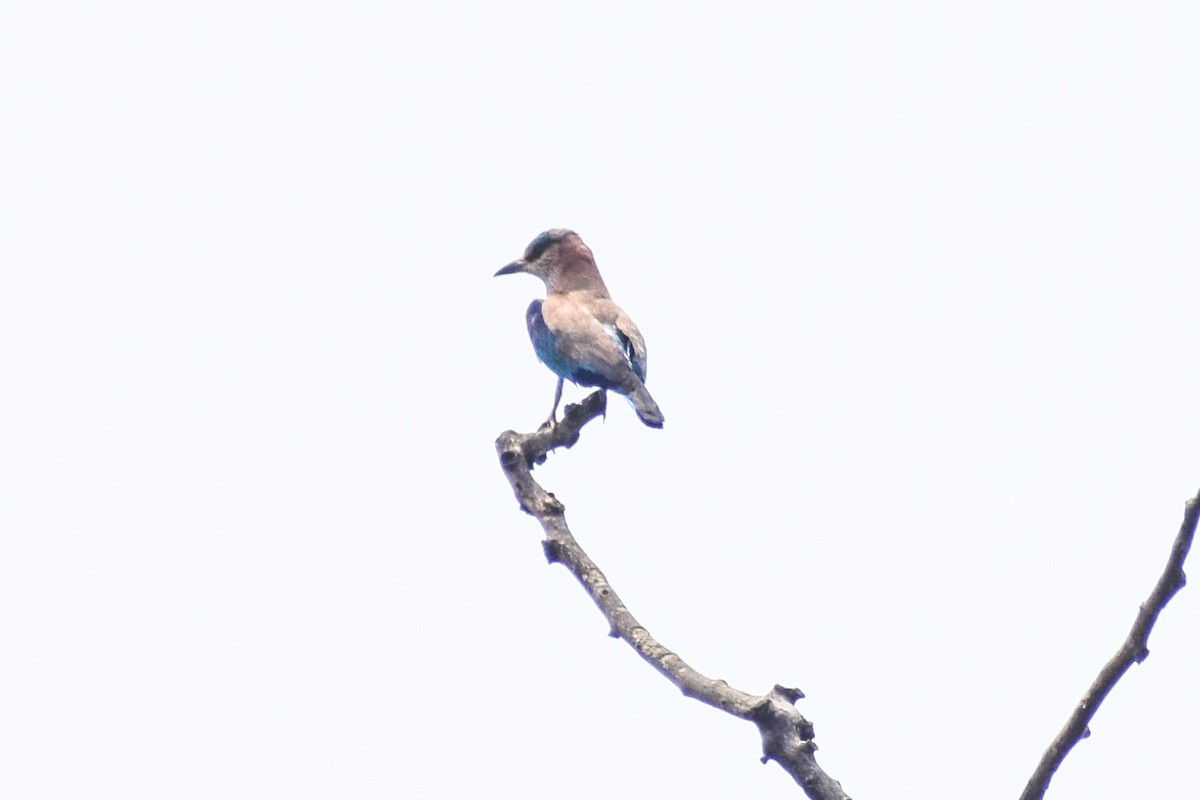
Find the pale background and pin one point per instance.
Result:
(920, 290)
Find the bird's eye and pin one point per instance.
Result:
(540, 245)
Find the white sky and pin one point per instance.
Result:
(920, 291)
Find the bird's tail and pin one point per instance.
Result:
(647, 410)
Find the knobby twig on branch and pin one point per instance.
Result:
(1134, 650)
(787, 737)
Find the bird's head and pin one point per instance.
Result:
(561, 259)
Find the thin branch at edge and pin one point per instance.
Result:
(1133, 650)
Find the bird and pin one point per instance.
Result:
(578, 331)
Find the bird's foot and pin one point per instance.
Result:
(550, 424)
(600, 398)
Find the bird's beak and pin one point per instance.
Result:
(517, 266)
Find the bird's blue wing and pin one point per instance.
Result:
(570, 356)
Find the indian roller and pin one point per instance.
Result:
(578, 331)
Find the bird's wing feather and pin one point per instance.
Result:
(591, 334)
(623, 329)
(635, 345)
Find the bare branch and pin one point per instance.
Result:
(1134, 650)
(787, 737)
